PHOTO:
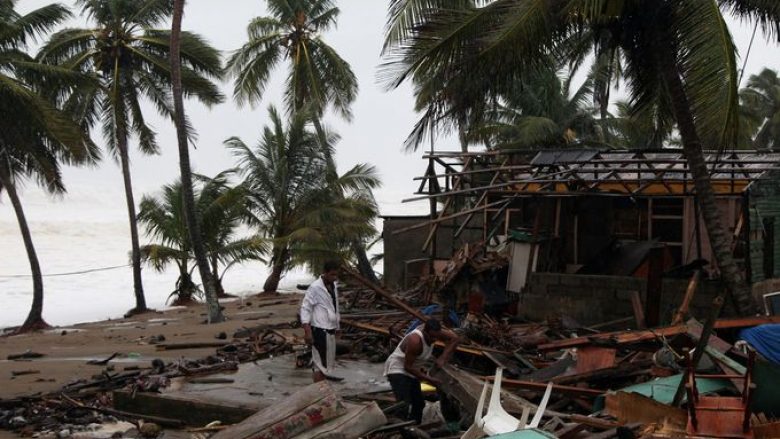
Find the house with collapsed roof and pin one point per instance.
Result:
(594, 235)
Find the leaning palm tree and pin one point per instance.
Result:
(131, 61)
(35, 137)
(761, 102)
(690, 61)
(221, 208)
(298, 206)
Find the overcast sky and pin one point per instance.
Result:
(381, 119)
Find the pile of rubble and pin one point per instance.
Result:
(554, 378)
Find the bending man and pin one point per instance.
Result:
(403, 367)
(320, 319)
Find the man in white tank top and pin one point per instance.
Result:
(403, 367)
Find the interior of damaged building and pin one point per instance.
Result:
(582, 286)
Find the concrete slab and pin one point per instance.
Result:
(266, 382)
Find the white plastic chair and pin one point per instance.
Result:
(497, 420)
(540, 409)
(475, 430)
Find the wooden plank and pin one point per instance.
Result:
(616, 338)
(627, 337)
(639, 311)
(194, 410)
(633, 407)
(682, 312)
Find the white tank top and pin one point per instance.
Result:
(395, 362)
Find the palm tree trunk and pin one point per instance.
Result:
(217, 280)
(193, 220)
(138, 288)
(364, 264)
(34, 319)
(277, 268)
(720, 241)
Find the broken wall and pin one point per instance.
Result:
(597, 299)
(407, 246)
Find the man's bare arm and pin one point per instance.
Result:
(451, 342)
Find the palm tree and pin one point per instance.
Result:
(690, 61)
(318, 77)
(131, 61)
(190, 214)
(222, 210)
(35, 137)
(305, 213)
(541, 112)
(761, 101)
(629, 130)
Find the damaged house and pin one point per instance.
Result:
(593, 235)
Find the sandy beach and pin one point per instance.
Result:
(66, 350)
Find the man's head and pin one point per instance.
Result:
(432, 331)
(330, 271)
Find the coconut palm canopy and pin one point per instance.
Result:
(468, 41)
(318, 76)
(541, 111)
(306, 213)
(761, 103)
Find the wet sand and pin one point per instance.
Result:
(67, 349)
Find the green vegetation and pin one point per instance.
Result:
(306, 214)
(222, 211)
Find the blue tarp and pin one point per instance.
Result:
(765, 339)
(430, 309)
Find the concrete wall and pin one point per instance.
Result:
(596, 299)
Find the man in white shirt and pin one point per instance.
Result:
(320, 319)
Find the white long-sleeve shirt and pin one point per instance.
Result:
(318, 309)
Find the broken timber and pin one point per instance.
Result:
(193, 410)
(628, 337)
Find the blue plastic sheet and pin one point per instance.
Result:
(765, 339)
(430, 309)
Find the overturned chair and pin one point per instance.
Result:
(497, 421)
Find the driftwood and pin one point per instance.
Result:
(28, 355)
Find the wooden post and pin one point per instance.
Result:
(655, 286)
(639, 312)
(682, 312)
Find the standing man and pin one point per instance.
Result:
(320, 319)
(403, 367)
